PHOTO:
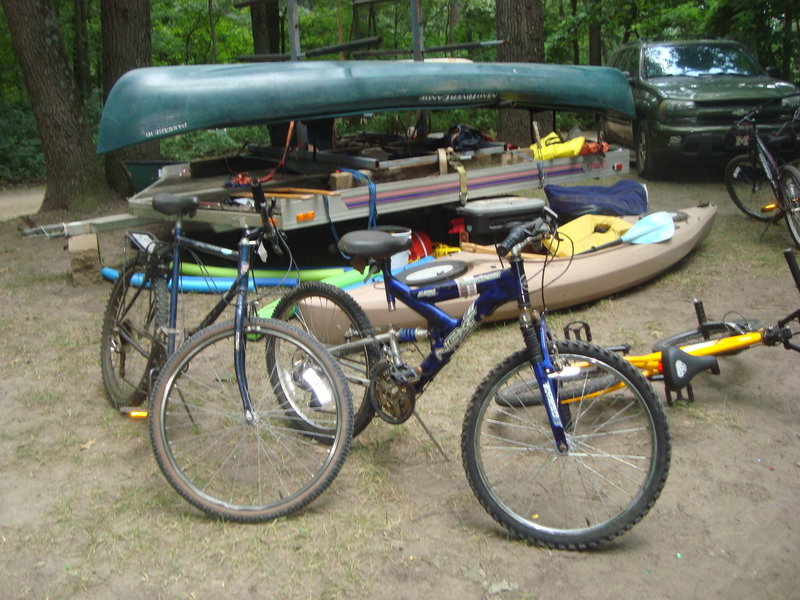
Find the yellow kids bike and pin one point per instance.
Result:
(678, 358)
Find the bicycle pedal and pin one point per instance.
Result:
(133, 412)
(403, 375)
(578, 329)
(620, 349)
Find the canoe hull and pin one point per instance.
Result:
(588, 277)
(158, 102)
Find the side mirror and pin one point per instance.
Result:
(774, 72)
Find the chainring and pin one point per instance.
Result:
(392, 399)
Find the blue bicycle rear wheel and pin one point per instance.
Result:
(130, 349)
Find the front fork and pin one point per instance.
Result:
(534, 332)
(239, 329)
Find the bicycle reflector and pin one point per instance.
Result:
(133, 413)
(769, 207)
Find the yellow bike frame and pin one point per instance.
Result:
(650, 364)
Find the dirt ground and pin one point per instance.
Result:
(85, 513)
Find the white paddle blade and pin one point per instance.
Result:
(654, 228)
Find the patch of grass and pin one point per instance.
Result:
(372, 459)
(695, 411)
(730, 418)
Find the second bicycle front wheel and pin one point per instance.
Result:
(790, 183)
(613, 472)
(711, 332)
(242, 469)
(748, 187)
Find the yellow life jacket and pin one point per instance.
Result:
(553, 147)
(586, 232)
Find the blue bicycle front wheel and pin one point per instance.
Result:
(608, 479)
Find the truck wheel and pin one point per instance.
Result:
(648, 166)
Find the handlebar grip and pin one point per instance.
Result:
(791, 260)
(512, 239)
(520, 233)
(258, 195)
(270, 231)
(260, 201)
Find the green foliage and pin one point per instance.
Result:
(182, 32)
(20, 151)
(12, 89)
(760, 25)
(619, 22)
(212, 142)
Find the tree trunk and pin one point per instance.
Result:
(520, 24)
(80, 50)
(126, 45)
(75, 176)
(576, 48)
(258, 23)
(212, 27)
(265, 25)
(454, 10)
(789, 41)
(595, 41)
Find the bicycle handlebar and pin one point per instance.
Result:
(535, 229)
(749, 118)
(270, 232)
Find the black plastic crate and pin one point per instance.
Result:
(486, 220)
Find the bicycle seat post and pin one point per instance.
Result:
(377, 245)
(386, 270)
(177, 232)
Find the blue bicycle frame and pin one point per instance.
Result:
(179, 242)
(239, 289)
(447, 334)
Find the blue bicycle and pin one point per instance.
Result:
(564, 443)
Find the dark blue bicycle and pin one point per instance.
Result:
(229, 404)
(564, 443)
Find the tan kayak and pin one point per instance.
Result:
(567, 281)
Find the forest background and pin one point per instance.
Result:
(66, 54)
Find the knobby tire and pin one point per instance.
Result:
(748, 187)
(790, 184)
(333, 317)
(613, 473)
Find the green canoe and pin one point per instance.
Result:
(159, 102)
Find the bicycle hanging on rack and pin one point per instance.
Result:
(225, 410)
(564, 443)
